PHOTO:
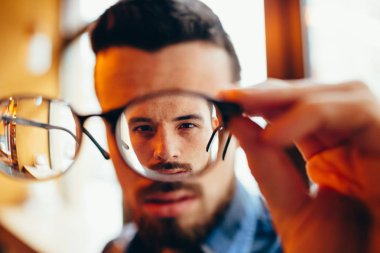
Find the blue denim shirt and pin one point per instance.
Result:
(246, 228)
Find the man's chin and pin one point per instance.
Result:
(173, 215)
(170, 232)
(184, 229)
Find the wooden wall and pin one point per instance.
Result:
(285, 50)
(284, 39)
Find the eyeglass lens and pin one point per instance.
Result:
(39, 138)
(170, 137)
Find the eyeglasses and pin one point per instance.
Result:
(168, 135)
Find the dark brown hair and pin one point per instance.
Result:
(153, 24)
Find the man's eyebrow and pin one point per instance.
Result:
(139, 120)
(189, 116)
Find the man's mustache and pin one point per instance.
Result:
(186, 167)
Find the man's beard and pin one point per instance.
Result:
(158, 233)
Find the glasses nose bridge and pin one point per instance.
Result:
(82, 120)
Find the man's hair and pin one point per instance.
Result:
(151, 25)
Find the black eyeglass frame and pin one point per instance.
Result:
(226, 109)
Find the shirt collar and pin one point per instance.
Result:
(236, 231)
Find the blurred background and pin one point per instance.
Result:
(45, 50)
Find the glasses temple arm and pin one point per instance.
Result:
(48, 126)
(228, 110)
(27, 122)
(226, 146)
(104, 153)
(212, 137)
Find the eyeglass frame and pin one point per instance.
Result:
(226, 109)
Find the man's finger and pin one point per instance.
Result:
(328, 114)
(277, 178)
(274, 95)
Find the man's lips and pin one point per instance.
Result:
(168, 204)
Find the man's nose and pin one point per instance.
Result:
(165, 146)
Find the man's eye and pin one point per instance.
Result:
(143, 129)
(187, 125)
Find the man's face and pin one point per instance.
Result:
(123, 73)
(169, 134)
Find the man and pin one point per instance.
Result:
(144, 46)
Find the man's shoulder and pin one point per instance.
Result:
(120, 244)
(246, 226)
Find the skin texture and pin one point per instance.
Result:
(336, 128)
(123, 73)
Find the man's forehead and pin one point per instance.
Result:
(169, 108)
(122, 73)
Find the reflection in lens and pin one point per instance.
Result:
(167, 136)
(39, 138)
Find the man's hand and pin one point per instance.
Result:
(337, 130)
